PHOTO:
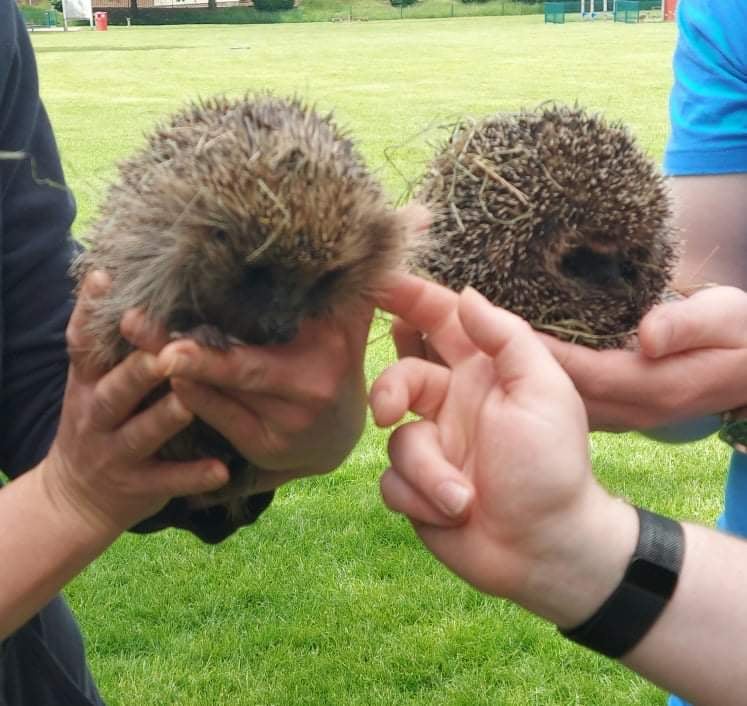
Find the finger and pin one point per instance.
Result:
(711, 318)
(233, 419)
(411, 385)
(309, 369)
(170, 479)
(79, 340)
(520, 358)
(245, 366)
(429, 308)
(417, 457)
(617, 376)
(399, 496)
(253, 433)
(143, 333)
(415, 217)
(122, 389)
(145, 433)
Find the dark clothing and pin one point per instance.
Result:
(43, 663)
(36, 211)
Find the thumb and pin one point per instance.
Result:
(171, 479)
(712, 318)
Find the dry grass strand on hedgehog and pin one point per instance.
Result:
(555, 214)
(238, 219)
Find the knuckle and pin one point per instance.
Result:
(73, 337)
(131, 442)
(324, 393)
(250, 373)
(337, 347)
(299, 420)
(176, 413)
(103, 407)
(273, 443)
(399, 442)
(141, 370)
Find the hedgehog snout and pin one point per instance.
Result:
(611, 270)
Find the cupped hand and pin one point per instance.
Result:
(692, 362)
(293, 409)
(101, 463)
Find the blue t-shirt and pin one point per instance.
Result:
(708, 103)
(708, 113)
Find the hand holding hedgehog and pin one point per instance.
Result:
(295, 409)
(237, 222)
(691, 365)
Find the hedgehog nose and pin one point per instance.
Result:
(284, 332)
(599, 269)
(275, 329)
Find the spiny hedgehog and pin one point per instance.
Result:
(554, 214)
(237, 219)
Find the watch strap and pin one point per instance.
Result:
(649, 582)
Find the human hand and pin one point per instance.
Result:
(500, 417)
(692, 362)
(293, 409)
(101, 463)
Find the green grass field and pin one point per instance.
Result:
(329, 599)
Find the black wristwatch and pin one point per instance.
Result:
(649, 582)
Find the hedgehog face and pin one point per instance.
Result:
(593, 262)
(257, 296)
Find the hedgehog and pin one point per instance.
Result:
(555, 214)
(238, 219)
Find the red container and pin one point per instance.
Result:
(670, 7)
(101, 20)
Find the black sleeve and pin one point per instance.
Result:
(36, 211)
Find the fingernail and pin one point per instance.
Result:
(454, 497)
(378, 397)
(217, 473)
(98, 283)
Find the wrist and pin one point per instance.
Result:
(45, 544)
(570, 584)
(71, 505)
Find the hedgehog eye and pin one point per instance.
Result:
(629, 272)
(327, 281)
(220, 235)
